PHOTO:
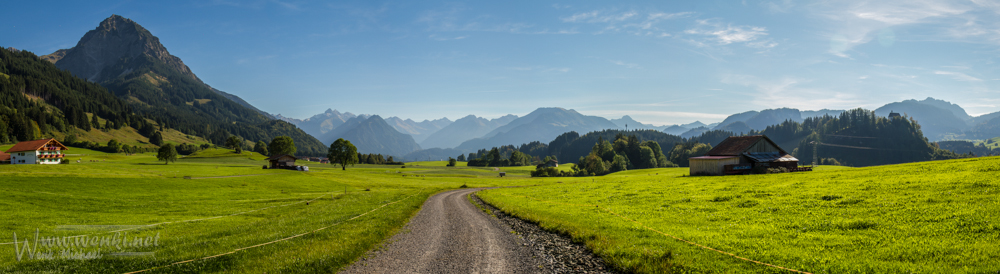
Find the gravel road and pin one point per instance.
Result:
(450, 235)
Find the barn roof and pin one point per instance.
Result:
(34, 145)
(4, 157)
(278, 157)
(771, 157)
(736, 145)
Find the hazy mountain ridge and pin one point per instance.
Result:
(942, 120)
(464, 129)
(759, 120)
(627, 122)
(419, 130)
(322, 123)
(543, 124)
(371, 134)
(938, 119)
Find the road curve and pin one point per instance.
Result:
(450, 235)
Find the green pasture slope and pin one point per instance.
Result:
(929, 217)
(258, 221)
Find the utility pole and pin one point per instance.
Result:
(815, 145)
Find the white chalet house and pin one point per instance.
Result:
(44, 152)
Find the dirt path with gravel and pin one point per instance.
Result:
(451, 235)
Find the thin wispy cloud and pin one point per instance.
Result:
(600, 17)
(859, 22)
(624, 64)
(725, 34)
(259, 4)
(632, 22)
(779, 6)
(459, 18)
(959, 76)
(790, 92)
(443, 38)
(666, 16)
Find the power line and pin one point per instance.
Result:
(847, 136)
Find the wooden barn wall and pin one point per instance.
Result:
(763, 146)
(711, 166)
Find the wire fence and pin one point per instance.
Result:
(272, 242)
(134, 227)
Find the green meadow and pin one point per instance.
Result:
(930, 217)
(231, 216)
(234, 216)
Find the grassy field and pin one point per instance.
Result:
(260, 221)
(233, 216)
(927, 217)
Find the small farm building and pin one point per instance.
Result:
(740, 155)
(4, 158)
(44, 151)
(282, 161)
(551, 163)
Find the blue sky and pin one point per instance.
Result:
(661, 62)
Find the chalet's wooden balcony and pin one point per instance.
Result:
(51, 156)
(51, 148)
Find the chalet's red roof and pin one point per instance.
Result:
(34, 145)
(4, 157)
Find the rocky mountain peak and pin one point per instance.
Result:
(116, 47)
(114, 21)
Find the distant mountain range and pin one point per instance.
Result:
(467, 128)
(373, 135)
(320, 124)
(438, 138)
(420, 131)
(942, 120)
(543, 124)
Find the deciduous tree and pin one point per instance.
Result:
(167, 154)
(260, 147)
(282, 145)
(236, 143)
(343, 152)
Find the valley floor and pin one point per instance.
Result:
(283, 222)
(138, 214)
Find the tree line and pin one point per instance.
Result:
(855, 137)
(36, 99)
